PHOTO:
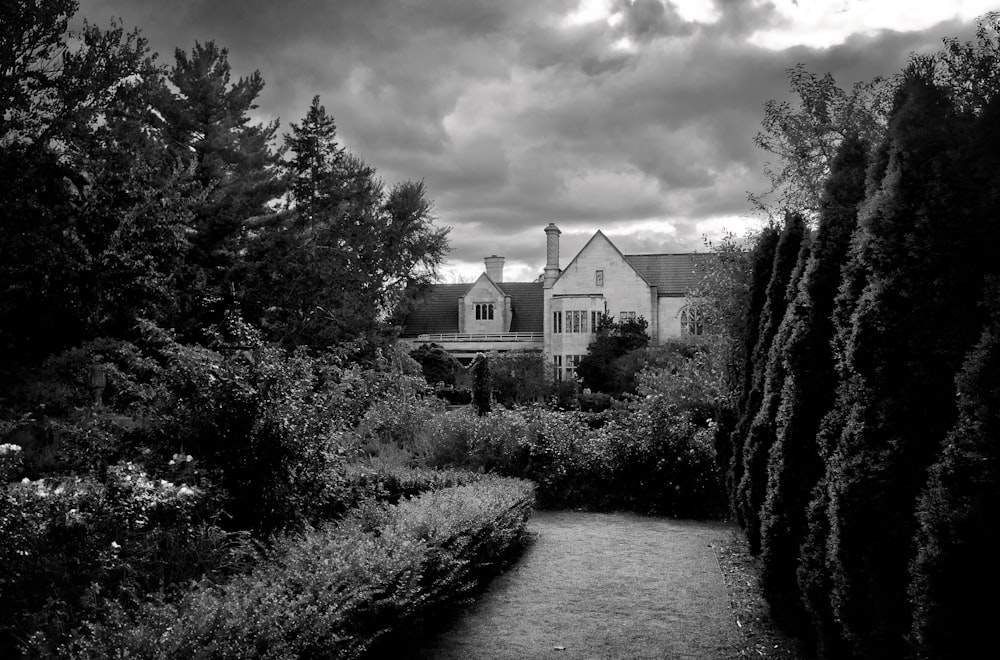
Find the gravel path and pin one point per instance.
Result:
(602, 586)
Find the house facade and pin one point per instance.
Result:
(558, 313)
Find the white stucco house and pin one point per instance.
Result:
(558, 313)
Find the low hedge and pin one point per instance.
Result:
(335, 591)
(392, 483)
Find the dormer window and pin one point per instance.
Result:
(484, 311)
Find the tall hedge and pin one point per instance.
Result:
(809, 386)
(898, 397)
(729, 439)
(770, 365)
(772, 310)
(960, 505)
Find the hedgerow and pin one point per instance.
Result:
(335, 591)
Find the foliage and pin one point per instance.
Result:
(918, 235)
(518, 377)
(794, 466)
(652, 455)
(957, 512)
(234, 168)
(347, 255)
(597, 370)
(731, 431)
(482, 385)
(805, 138)
(756, 427)
(266, 424)
(437, 364)
(69, 546)
(336, 591)
(94, 211)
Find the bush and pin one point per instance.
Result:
(437, 364)
(69, 546)
(333, 592)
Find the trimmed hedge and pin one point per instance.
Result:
(335, 591)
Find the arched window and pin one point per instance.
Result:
(691, 320)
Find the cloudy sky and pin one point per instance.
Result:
(635, 117)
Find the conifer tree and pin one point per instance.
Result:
(786, 254)
(958, 512)
(913, 247)
(960, 503)
(234, 164)
(809, 386)
(347, 253)
(760, 434)
(729, 441)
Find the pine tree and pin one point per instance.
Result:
(809, 386)
(234, 164)
(347, 254)
(913, 246)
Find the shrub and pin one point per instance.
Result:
(519, 377)
(69, 546)
(437, 364)
(333, 592)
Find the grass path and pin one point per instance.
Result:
(601, 586)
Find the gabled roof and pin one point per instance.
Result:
(587, 245)
(672, 274)
(437, 311)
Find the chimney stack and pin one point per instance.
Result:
(551, 255)
(494, 268)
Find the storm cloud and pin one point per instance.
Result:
(639, 122)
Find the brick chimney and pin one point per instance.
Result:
(551, 255)
(494, 267)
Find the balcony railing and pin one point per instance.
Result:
(492, 336)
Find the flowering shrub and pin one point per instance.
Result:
(336, 591)
(69, 545)
(11, 462)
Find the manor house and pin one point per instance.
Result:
(558, 313)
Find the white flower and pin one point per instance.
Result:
(114, 544)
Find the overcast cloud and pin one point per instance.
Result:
(636, 117)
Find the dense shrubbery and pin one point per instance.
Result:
(71, 546)
(336, 591)
(866, 475)
(651, 454)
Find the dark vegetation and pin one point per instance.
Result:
(858, 434)
(212, 445)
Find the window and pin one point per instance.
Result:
(572, 362)
(557, 366)
(599, 278)
(556, 322)
(484, 311)
(626, 316)
(692, 322)
(594, 321)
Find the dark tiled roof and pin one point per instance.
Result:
(672, 274)
(437, 311)
(527, 300)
